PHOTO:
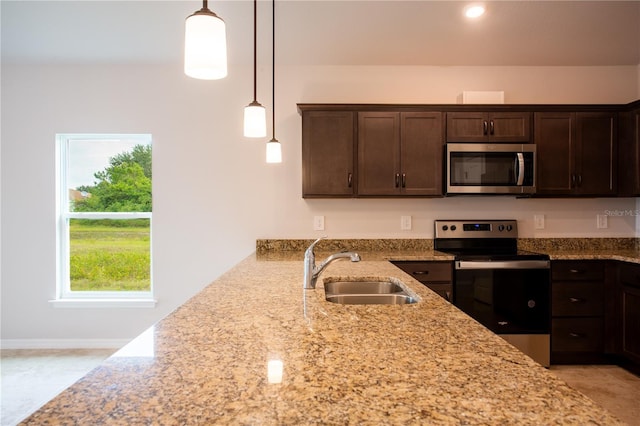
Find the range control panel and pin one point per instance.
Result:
(476, 229)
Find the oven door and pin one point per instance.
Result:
(490, 168)
(508, 297)
(512, 299)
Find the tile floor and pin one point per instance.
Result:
(32, 377)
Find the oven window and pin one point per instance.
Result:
(483, 168)
(507, 301)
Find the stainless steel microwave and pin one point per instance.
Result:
(480, 168)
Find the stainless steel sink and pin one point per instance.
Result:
(371, 299)
(362, 287)
(368, 291)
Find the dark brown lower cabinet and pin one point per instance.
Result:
(629, 313)
(577, 311)
(437, 275)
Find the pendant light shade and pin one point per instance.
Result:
(255, 120)
(274, 149)
(255, 115)
(205, 45)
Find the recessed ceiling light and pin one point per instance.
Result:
(474, 11)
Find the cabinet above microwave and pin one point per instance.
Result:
(483, 127)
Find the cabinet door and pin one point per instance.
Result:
(510, 127)
(466, 126)
(379, 153)
(630, 311)
(328, 153)
(555, 140)
(421, 143)
(629, 154)
(596, 154)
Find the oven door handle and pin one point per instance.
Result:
(509, 264)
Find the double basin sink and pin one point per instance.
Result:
(368, 291)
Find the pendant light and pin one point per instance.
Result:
(255, 115)
(274, 149)
(205, 45)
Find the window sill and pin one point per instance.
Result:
(103, 303)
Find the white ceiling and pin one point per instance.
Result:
(354, 32)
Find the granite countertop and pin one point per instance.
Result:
(426, 363)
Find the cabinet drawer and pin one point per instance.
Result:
(577, 334)
(630, 274)
(577, 270)
(575, 298)
(427, 272)
(444, 290)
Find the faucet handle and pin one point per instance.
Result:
(310, 248)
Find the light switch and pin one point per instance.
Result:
(318, 223)
(538, 221)
(602, 222)
(405, 223)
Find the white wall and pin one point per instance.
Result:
(213, 193)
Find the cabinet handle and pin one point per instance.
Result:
(573, 181)
(350, 180)
(575, 335)
(447, 296)
(420, 272)
(574, 300)
(484, 127)
(397, 180)
(404, 180)
(579, 180)
(491, 127)
(575, 271)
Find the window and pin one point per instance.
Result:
(104, 218)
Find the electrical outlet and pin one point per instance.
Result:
(405, 223)
(602, 222)
(538, 221)
(318, 223)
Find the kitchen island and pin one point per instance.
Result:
(217, 359)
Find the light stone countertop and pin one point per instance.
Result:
(426, 363)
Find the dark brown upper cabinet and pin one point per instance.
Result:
(400, 153)
(629, 149)
(328, 147)
(576, 153)
(489, 127)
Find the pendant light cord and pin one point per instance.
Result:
(255, 47)
(273, 69)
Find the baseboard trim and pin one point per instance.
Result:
(63, 343)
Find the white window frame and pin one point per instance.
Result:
(65, 297)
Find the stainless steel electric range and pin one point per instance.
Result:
(505, 289)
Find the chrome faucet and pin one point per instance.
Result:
(311, 271)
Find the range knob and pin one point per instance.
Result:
(500, 228)
(445, 227)
(509, 228)
(453, 227)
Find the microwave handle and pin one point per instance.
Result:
(519, 169)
